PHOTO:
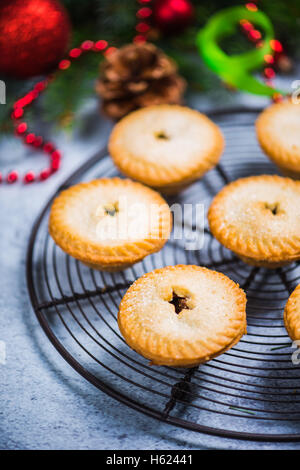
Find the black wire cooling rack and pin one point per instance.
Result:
(250, 392)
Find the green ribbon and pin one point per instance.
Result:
(236, 69)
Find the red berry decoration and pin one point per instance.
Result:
(55, 165)
(171, 16)
(18, 113)
(38, 142)
(44, 174)
(34, 35)
(12, 177)
(29, 177)
(48, 147)
(21, 128)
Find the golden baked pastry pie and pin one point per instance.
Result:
(110, 223)
(278, 132)
(182, 315)
(258, 218)
(166, 146)
(292, 315)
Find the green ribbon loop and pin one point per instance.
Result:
(236, 69)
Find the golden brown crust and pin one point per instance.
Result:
(193, 146)
(241, 218)
(278, 132)
(214, 321)
(292, 315)
(73, 223)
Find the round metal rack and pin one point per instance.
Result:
(254, 386)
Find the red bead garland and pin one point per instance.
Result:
(255, 36)
(143, 15)
(21, 127)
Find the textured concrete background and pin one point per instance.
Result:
(44, 403)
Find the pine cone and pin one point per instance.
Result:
(135, 76)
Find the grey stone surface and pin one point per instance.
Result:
(44, 403)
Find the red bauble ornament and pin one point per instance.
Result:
(34, 35)
(171, 16)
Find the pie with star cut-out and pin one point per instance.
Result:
(182, 315)
(258, 218)
(167, 147)
(110, 223)
(278, 132)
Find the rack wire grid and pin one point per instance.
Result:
(254, 386)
